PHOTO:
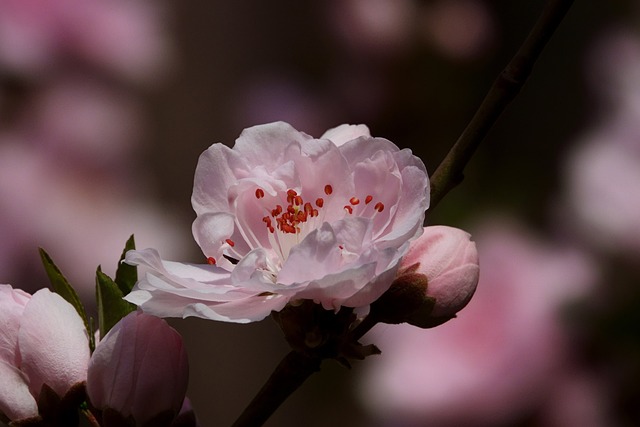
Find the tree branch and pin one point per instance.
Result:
(508, 84)
(292, 371)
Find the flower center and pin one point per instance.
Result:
(291, 221)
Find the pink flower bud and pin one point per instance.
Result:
(449, 260)
(140, 371)
(43, 342)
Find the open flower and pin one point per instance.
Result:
(282, 216)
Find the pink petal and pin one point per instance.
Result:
(140, 369)
(12, 303)
(16, 401)
(53, 343)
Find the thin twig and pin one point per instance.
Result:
(292, 371)
(504, 89)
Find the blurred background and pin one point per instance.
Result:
(106, 105)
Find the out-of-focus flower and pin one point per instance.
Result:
(283, 216)
(121, 35)
(377, 27)
(82, 211)
(498, 357)
(461, 29)
(139, 371)
(603, 173)
(43, 342)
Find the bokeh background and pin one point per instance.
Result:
(106, 105)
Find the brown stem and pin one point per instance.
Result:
(504, 89)
(292, 371)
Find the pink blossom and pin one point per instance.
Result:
(42, 341)
(603, 171)
(499, 356)
(140, 370)
(121, 35)
(449, 260)
(305, 218)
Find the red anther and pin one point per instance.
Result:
(259, 193)
(230, 242)
(354, 200)
(348, 209)
(267, 220)
(341, 247)
(291, 209)
(368, 199)
(328, 189)
(291, 194)
(288, 228)
(297, 201)
(314, 212)
(301, 216)
(319, 202)
(211, 260)
(271, 229)
(308, 208)
(379, 207)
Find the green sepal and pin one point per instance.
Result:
(111, 305)
(126, 275)
(62, 287)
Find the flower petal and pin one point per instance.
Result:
(16, 402)
(53, 343)
(12, 303)
(345, 133)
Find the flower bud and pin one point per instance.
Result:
(139, 372)
(44, 353)
(436, 279)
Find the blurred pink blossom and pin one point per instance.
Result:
(602, 202)
(460, 29)
(502, 352)
(321, 219)
(82, 220)
(378, 27)
(120, 35)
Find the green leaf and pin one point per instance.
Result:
(126, 275)
(62, 287)
(111, 306)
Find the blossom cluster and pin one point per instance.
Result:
(47, 370)
(287, 223)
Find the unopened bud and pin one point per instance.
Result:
(139, 372)
(436, 279)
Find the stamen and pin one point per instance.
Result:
(368, 199)
(379, 207)
(354, 200)
(211, 260)
(319, 202)
(230, 242)
(328, 189)
(348, 209)
(259, 193)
